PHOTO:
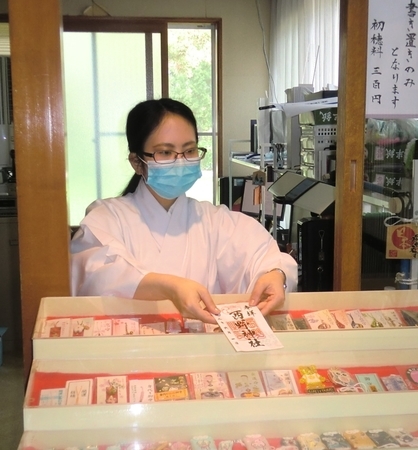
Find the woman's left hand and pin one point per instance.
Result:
(269, 292)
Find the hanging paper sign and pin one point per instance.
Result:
(402, 241)
(392, 57)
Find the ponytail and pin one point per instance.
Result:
(132, 185)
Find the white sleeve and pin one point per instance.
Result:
(100, 262)
(247, 251)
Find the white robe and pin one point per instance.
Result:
(122, 239)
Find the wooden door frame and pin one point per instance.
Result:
(39, 135)
(350, 145)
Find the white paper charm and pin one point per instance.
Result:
(246, 328)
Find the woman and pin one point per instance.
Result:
(155, 243)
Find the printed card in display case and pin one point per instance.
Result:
(358, 439)
(53, 397)
(375, 319)
(152, 328)
(55, 328)
(79, 392)
(102, 327)
(334, 440)
(281, 322)
(246, 384)
(125, 327)
(173, 387)
(410, 317)
(310, 441)
(204, 442)
(403, 438)
(382, 439)
(279, 382)
(313, 380)
(392, 318)
(371, 381)
(341, 319)
(82, 326)
(409, 374)
(173, 326)
(344, 380)
(300, 323)
(394, 382)
(357, 319)
(141, 391)
(194, 325)
(321, 320)
(210, 385)
(111, 390)
(289, 443)
(256, 442)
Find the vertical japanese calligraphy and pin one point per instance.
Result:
(392, 59)
(246, 328)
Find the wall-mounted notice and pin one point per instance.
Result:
(392, 59)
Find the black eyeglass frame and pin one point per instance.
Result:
(202, 149)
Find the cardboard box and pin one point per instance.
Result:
(2, 331)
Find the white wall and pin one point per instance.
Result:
(244, 71)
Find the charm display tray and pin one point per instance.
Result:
(89, 425)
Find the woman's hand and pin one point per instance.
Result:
(191, 298)
(269, 292)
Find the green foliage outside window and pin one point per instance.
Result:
(190, 78)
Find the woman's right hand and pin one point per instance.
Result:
(191, 298)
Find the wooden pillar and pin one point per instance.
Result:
(35, 41)
(350, 144)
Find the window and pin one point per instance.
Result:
(192, 80)
(107, 71)
(304, 47)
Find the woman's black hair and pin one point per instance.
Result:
(143, 119)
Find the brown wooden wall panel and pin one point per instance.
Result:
(35, 36)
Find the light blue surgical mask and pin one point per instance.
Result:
(172, 180)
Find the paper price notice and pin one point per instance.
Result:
(246, 328)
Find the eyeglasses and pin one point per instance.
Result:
(170, 156)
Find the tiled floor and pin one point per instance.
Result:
(11, 401)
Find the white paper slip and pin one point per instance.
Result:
(54, 328)
(279, 382)
(79, 392)
(375, 319)
(321, 320)
(246, 328)
(82, 326)
(281, 322)
(152, 328)
(53, 397)
(102, 327)
(392, 318)
(246, 384)
(141, 391)
(111, 389)
(125, 327)
(210, 385)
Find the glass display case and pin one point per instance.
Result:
(136, 423)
